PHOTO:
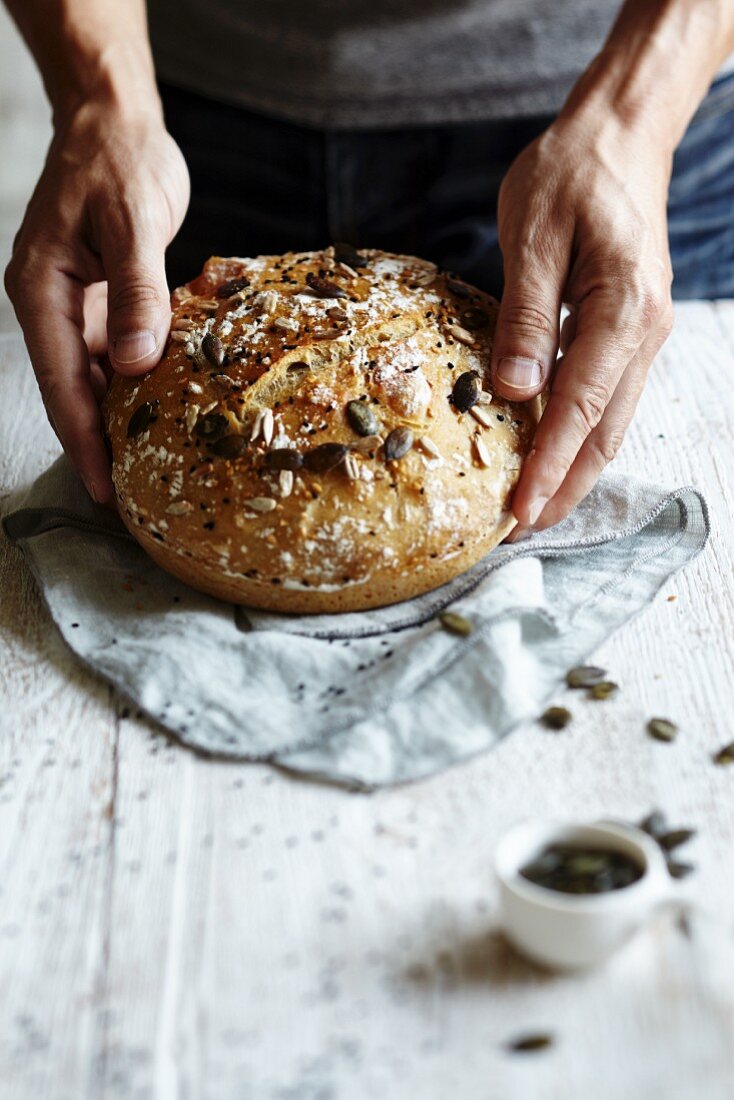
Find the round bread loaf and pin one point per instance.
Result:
(319, 435)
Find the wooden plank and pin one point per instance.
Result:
(57, 736)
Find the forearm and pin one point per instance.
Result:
(90, 50)
(656, 66)
(87, 275)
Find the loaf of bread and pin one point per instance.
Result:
(319, 435)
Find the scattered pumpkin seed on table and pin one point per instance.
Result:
(662, 729)
(528, 1044)
(674, 838)
(585, 676)
(654, 824)
(679, 870)
(556, 718)
(455, 624)
(725, 755)
(605, 689)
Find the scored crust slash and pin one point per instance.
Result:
(319, 435)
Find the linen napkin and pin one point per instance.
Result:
(369, 698)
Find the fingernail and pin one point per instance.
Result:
(519, 373)
(536, 508)
(92, 490)
(134, 347)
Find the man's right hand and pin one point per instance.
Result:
(87, 272)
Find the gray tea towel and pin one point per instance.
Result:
(366, 698)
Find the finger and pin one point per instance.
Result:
(95, 318)
(103, 362)
(568, 330)
(519, 534)
(525, 343)
(48, 304)
(607, 338)
(603, 443)
(98, 381)
(138, 302)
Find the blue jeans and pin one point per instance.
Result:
(260, 185)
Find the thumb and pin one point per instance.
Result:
(138, 305)
(526, 338)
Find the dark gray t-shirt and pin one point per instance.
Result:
(380, 63)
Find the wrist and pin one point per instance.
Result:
(618, 97)
(117, 79)
(653, 70)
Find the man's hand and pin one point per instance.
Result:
(87, 272)
(582, 220)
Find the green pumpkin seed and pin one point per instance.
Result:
(213, 349)
(556, 718)
(232, 287)
(347, 254)
(361, 417)
(528, 1044)
(139, 420)
(230, 446)
(585, 676)
(654, 824)
(324, 288)
(212, 427)
(397, 444)
(674, 838)
(662, 729)
(587, 863)
(466, 391)
(603, 690)
(679, 870)
(457, 287)
(284, 458)
(324, 457)
(474, 319)
(455, 623)
(725, 755)
(572, 870)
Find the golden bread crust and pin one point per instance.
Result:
(385, 360)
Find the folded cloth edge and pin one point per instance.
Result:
(23, 524)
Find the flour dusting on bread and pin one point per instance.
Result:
(320, 433)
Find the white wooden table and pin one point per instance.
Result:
(173, 927)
